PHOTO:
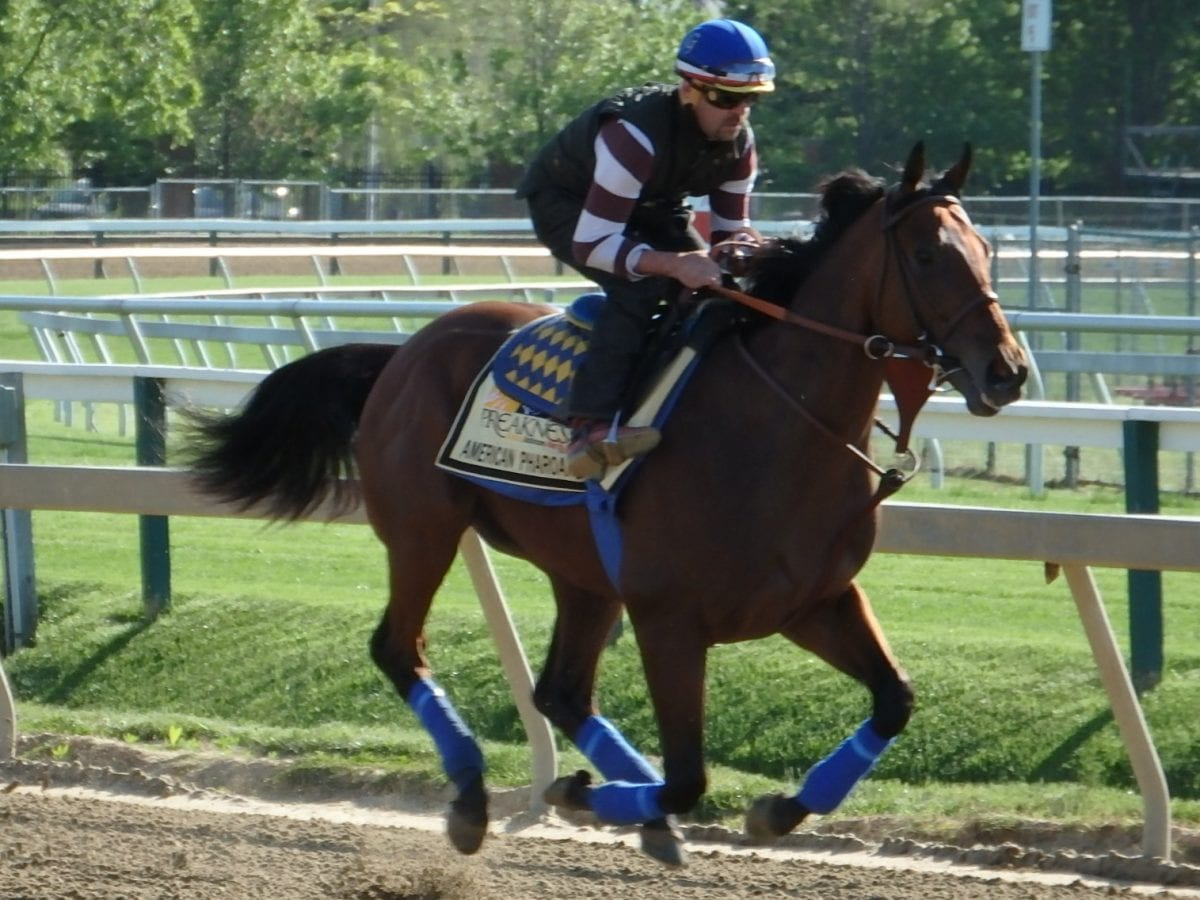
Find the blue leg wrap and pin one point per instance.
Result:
(622, 803)
(462, 759)
(830, 781)
(608, 751)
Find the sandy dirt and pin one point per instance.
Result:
(124, 822)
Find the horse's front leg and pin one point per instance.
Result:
(845, 633)
(633, 792)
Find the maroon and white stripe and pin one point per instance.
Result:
(624, 161)
(729, 204)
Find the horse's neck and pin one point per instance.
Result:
(831, 376)
(843, 289)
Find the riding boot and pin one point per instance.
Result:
(599, 386)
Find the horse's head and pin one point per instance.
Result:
(937, 281)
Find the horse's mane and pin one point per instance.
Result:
(785, 263)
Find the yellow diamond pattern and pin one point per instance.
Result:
(540, 361)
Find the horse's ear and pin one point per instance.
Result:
(956, 176)
(914, 168)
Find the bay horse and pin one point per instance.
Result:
(751, 518)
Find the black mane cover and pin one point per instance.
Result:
(783, 264)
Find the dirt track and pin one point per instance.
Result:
(100, 827)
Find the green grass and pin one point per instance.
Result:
(264, 651)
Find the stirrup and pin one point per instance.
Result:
(598, 446)
(585, 460)
(630, 441)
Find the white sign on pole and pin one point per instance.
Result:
(1035, 25)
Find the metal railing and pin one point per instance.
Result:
(293, 200)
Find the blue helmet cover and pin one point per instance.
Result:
(727, 54)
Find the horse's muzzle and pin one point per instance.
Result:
(989, 387)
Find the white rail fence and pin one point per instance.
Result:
(326, 260)
(254, 328)
(1076, 542)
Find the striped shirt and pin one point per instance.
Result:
(624, 161)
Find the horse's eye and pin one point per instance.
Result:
(923, 256)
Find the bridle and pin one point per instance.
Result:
(876, 347)
(909, 391)
(934, 356)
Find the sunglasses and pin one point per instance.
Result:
(725, 99)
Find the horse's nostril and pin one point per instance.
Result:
(1003, 377)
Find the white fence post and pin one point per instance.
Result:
(515, 664)
(1147, 768)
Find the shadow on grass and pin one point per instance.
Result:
(1057, 765)
(70, 681)
(57, 686)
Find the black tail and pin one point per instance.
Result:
(290, 445)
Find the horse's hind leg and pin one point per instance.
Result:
(417, 566)
(565, 692)
(845, 633)
(565, 695)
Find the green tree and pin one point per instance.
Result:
(288, 82)
(510, 72)
(1117, 63)
(290, 88)
(94, 86)
(861, 81)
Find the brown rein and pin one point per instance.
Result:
(875, 346)
(910, 396)
(907, 404)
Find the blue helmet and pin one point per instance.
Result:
(727, 55)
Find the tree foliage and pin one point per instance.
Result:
(102, 87)
(286, 82)
(865, 78)
(507, 73)
(133, 90)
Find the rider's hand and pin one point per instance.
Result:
(696, 270)
(692, 268)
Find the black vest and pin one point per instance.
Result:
(686, 163)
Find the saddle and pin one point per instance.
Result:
(538, 362)
(509, 435)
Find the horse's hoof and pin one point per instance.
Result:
(772, 816)
(467, 820)
(569, 791)
(664, 843)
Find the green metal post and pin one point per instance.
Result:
(150, 403)
(16, 525)
(1074, 272)
(1145, 587)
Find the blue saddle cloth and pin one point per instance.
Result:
(524, 388)
(536, 365)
